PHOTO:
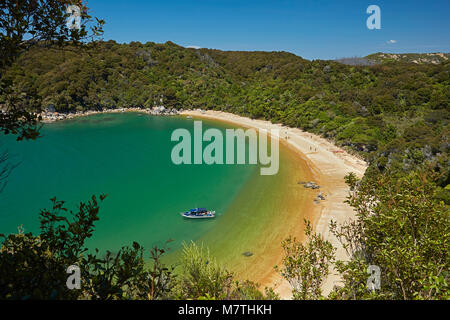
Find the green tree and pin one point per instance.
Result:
(306, 265)
(24, 24)
(34, 267)
(403, 228)
(201, 275)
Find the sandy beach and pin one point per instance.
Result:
(328, 165)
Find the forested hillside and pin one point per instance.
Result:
(393, 111)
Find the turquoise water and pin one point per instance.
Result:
(127, 157)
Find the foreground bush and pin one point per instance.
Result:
(201, 277)
(402, 227)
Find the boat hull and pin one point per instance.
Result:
(209, 215)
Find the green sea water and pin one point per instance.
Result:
(128, 157)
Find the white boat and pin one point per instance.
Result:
(199, 213)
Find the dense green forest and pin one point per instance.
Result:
(386, 112)
(394, 113)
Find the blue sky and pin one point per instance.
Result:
(313, 29)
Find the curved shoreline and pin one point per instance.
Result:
(328, 165)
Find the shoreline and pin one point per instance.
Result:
(328, 165)
(49, 117)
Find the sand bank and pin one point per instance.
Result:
(328, 165)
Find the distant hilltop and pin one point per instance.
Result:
(381, 58)
(418, 58)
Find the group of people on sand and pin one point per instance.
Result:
(287, 138)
